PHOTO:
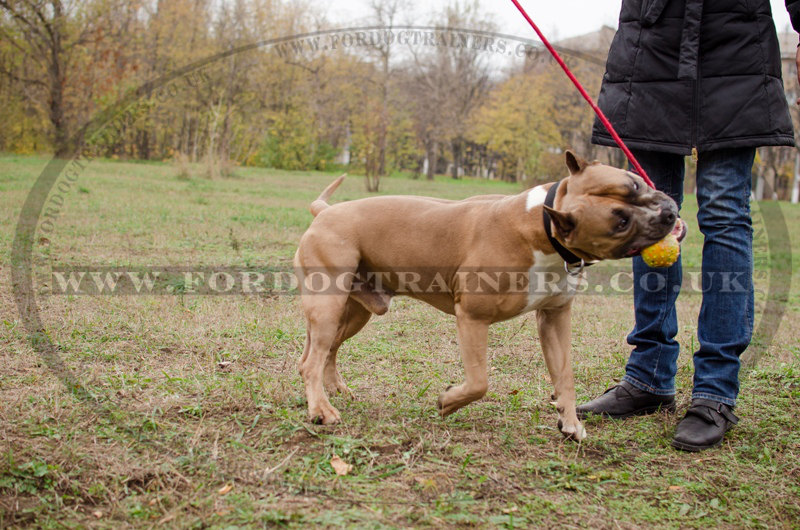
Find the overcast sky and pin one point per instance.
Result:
(556, 18)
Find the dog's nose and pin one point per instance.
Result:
(667, 216)
(667, 209)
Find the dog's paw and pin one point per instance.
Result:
(574, 432)
(333, 382)
(325, 414)
(336, 385)
(339, 388)
(443, 409)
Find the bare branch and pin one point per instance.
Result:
(19, 16)
(8, 73)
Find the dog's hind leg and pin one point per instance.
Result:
(306, 347)
(325, 274)
(323, 316)
(355, 317)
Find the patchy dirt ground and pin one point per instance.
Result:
(189, 411)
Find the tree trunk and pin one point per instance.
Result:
(384, 119)
(796, 181)
(372, 181)
(455, 146)
(56, 114)
(431, 160)
(56, 81)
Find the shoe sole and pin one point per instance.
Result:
(638, 412)
(694, 448)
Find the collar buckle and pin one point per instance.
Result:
(574, 269)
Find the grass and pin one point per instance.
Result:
(172, 436)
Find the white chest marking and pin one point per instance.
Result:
(536, 197)
(549, 284)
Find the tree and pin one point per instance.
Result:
(450, 80)
(376, 128)
(519, 124)
(49, 39)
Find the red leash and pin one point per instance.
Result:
(587, 97)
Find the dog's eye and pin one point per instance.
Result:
(635, 186)
(623, 222)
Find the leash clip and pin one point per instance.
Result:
(574, 270)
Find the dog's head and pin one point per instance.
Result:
(607, 213)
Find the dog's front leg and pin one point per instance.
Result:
(473, 338)
(555, 336)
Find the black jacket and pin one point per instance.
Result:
(685, 74)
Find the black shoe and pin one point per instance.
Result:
(704, 425)
(625, 400)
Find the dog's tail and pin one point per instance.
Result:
(322, 201)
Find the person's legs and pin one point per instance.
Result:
(725, 324)
(648, 384)
(653, 362)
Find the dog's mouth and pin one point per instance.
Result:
(679, 231)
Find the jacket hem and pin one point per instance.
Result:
(785, 140)
(678, 149)
(643, 145)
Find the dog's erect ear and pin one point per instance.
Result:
(575, 164)
(563, 221)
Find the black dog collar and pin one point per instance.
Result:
(572, 263)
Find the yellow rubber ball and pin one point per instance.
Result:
(662, 254)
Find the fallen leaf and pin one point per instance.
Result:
(224, 364)
(224, 490)
(97, 513)
(675, 488)
(427, 484)
(166, 518)
(152, 502)
(514, 392)
(340, 466)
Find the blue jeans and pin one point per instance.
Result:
(725, 323)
